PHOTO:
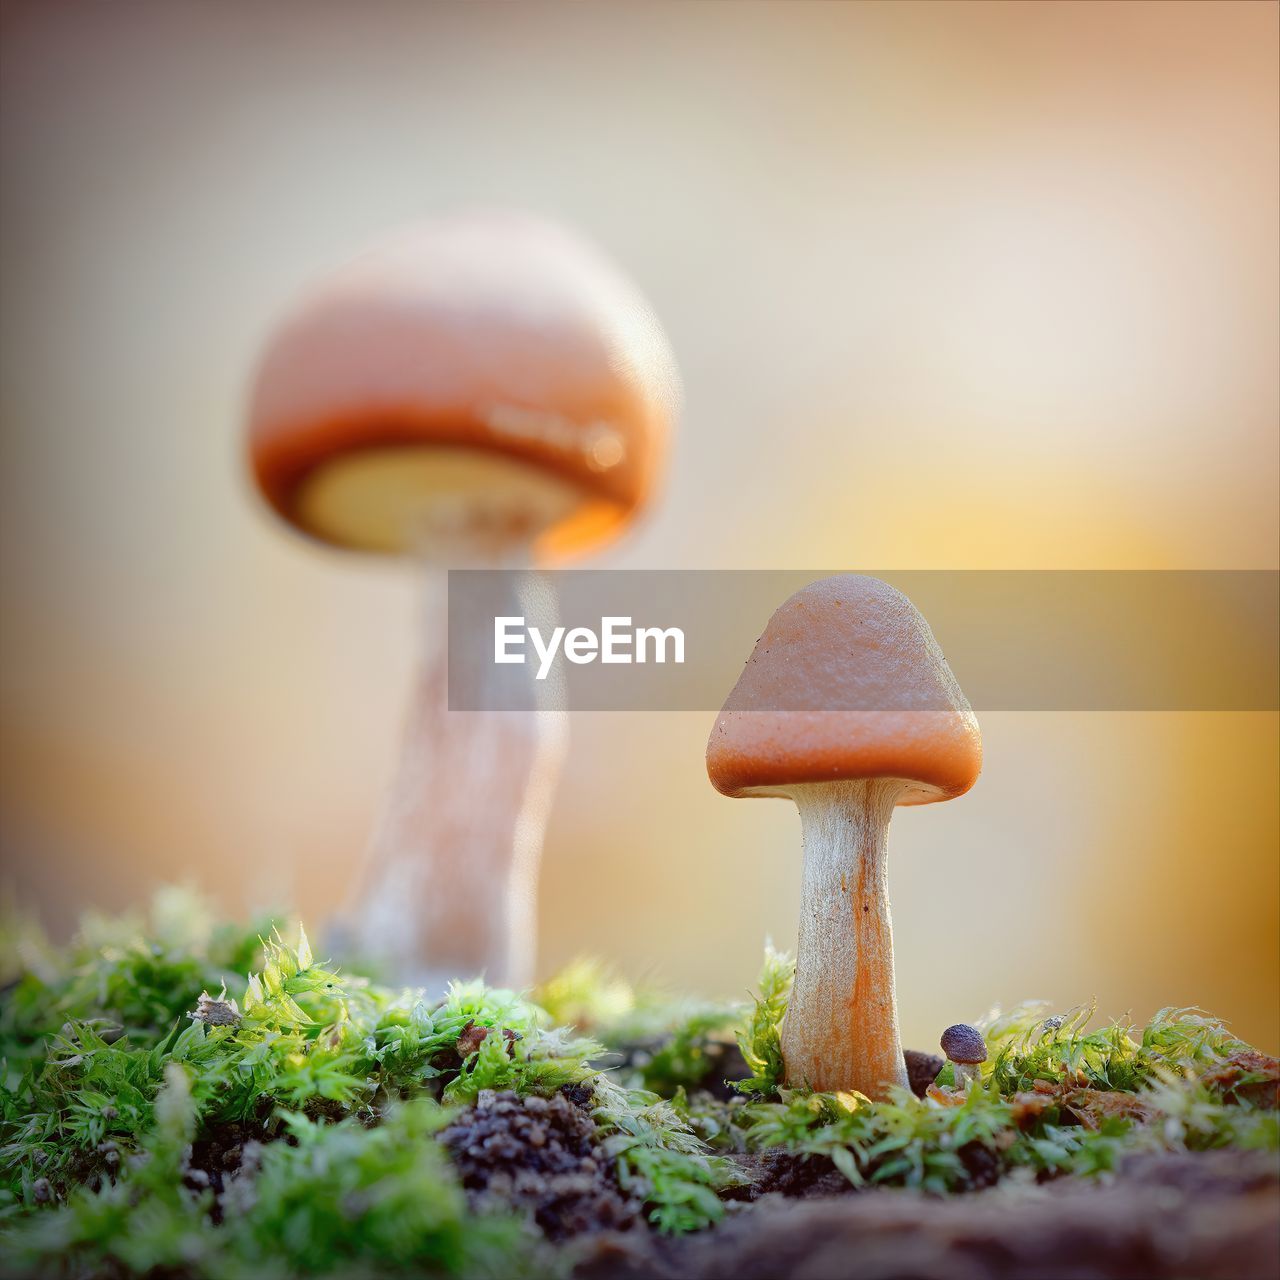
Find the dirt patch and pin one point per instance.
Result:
(220, 1157)
(540, 1156)
(784, 1174)
(797, 1177)
(1213, 1215)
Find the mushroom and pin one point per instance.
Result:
(966, 1050)
(485, 391)
(848, 708)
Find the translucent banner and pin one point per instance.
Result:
(592, 640)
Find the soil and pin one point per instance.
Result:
(541, 1156)
(216, 1160)
(782, 1173)
(1211, 1215)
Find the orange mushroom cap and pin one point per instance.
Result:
(846, 683)
(497, 335)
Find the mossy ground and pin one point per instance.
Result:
(307, 1121)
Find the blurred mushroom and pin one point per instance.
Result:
(848, 708)
(481, 391)
(922, 1069)
(966, 1050)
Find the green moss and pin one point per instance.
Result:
(761, 1038)
(1167, 1067)
(332, 1087)
(661, 1042)
(335, 1199)
(305, 1059)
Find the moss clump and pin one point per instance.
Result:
(161, 1113)
(1055, 1098)
(287, 1125)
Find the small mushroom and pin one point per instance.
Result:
(848, 708)
(481, 391)
(215, 1011)
(966, 1050)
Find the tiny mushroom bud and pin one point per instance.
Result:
(484, 391)
(216, 1011)
(966, 1050)
(848, 708)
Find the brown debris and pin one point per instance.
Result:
(1264, 1092)
(1030, 1105)
(473, 1036)
(1092, 1106)
(1088, 1107)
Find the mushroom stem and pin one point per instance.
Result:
(449, 888)
(841, 1029)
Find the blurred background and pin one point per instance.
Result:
(955, 286)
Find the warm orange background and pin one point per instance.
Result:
(960, 286)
